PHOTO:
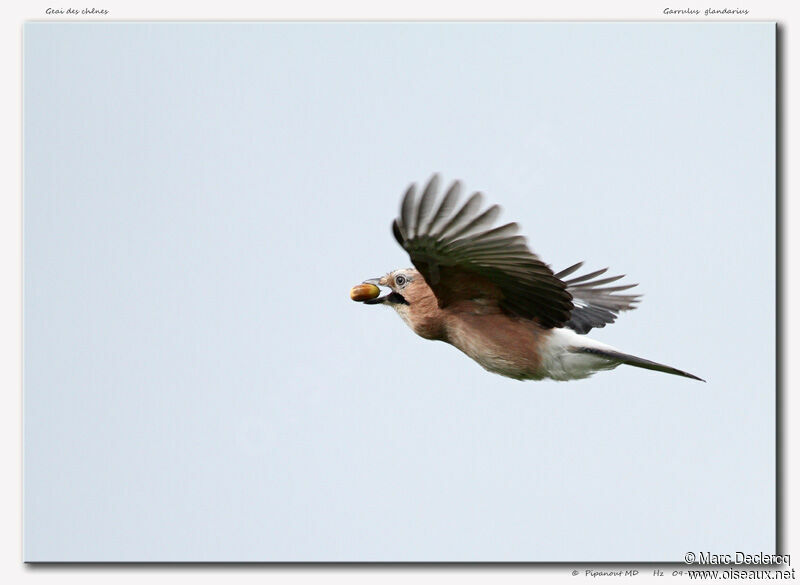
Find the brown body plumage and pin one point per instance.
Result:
(483, 291)
(478, 327)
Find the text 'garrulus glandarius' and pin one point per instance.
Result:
(482, 290)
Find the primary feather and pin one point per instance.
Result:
(462, 256)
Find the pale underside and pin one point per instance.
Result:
(514, 347)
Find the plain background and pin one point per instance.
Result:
(199, 198)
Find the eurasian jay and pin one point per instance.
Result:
(483, 291)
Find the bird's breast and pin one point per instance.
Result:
(427, 324)
(500, 343)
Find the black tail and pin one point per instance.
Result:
(632, 360)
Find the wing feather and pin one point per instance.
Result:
(463, 257)
(595, 305)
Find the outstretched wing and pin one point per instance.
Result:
(595, 306)
(462, 257)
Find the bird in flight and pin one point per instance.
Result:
(481, 289)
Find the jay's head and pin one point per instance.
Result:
(406, 288)
(409, 294)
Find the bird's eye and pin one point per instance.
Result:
(400, 280)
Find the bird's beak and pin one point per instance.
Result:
(367, 292)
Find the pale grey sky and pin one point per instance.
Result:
(199, 198)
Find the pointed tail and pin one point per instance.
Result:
(638, 362)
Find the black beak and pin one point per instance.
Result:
(377, 300)
(391, 297)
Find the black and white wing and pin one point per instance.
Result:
(462, 256)
(594, 304)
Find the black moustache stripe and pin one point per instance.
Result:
(397, 298)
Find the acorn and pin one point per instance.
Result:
(364, 292)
